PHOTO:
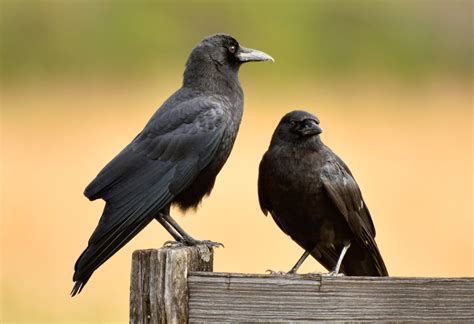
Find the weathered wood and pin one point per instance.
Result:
(233, 297)
(158, 287)
(166, 288)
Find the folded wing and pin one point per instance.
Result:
(145, 177)
(346, 196)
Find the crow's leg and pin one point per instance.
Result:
(174, 233)
(299, 263)
(339, 261)
(294, 269)
(185, 237)
(170, 230)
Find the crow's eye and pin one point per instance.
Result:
(232, 49)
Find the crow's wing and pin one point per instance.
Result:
(145, 177)
(262, 198)
(346, 196)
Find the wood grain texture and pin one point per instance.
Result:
(158, 286)
(233, 297)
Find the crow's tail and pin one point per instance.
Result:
(364, 260)
(102, 248)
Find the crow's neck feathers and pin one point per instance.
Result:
(290, 140)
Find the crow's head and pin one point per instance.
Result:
(220, 53)
(225, 49)
(297, 126)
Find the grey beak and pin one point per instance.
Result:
(251, 55)
(311, 128)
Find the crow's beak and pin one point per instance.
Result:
(311, 127)
(251, 55)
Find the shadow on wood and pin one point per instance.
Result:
(169, 286)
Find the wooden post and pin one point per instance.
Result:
(175, 285)
(158, 288)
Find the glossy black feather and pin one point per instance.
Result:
(313, 197)
(176, 157)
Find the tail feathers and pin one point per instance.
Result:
(364, 261)
(78, 285)
(118, 225)
(360, 260)
(101, 250)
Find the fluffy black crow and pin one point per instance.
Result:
(313, 197)
(175, 159)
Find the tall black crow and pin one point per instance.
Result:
(175, 159)
(313, 197)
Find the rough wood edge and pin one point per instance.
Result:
(317, 276)
(158, 282)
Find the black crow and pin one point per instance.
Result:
(175, 159)
(313, 197)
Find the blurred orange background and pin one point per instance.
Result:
(407, 137)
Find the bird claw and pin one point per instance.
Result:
(327, 274)
(192, 242)
(173, 244)
(332, 274)
(189, 241)
(209, 244)
(277, 273)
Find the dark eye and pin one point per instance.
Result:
(232, 49)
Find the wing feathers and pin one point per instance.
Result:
(346, 196)
(162, 161)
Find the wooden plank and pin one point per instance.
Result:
(158, 286)
(231, 297)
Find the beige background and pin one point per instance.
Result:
(414, 167)
(390, 80)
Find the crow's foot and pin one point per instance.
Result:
(278, 273)
(210, 244)
(327, 274)
(332, 274)
(174, 244)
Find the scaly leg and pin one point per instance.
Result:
(170, 230)
(294, 269)
(185, 237)
(299, 263)
(339, 261)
